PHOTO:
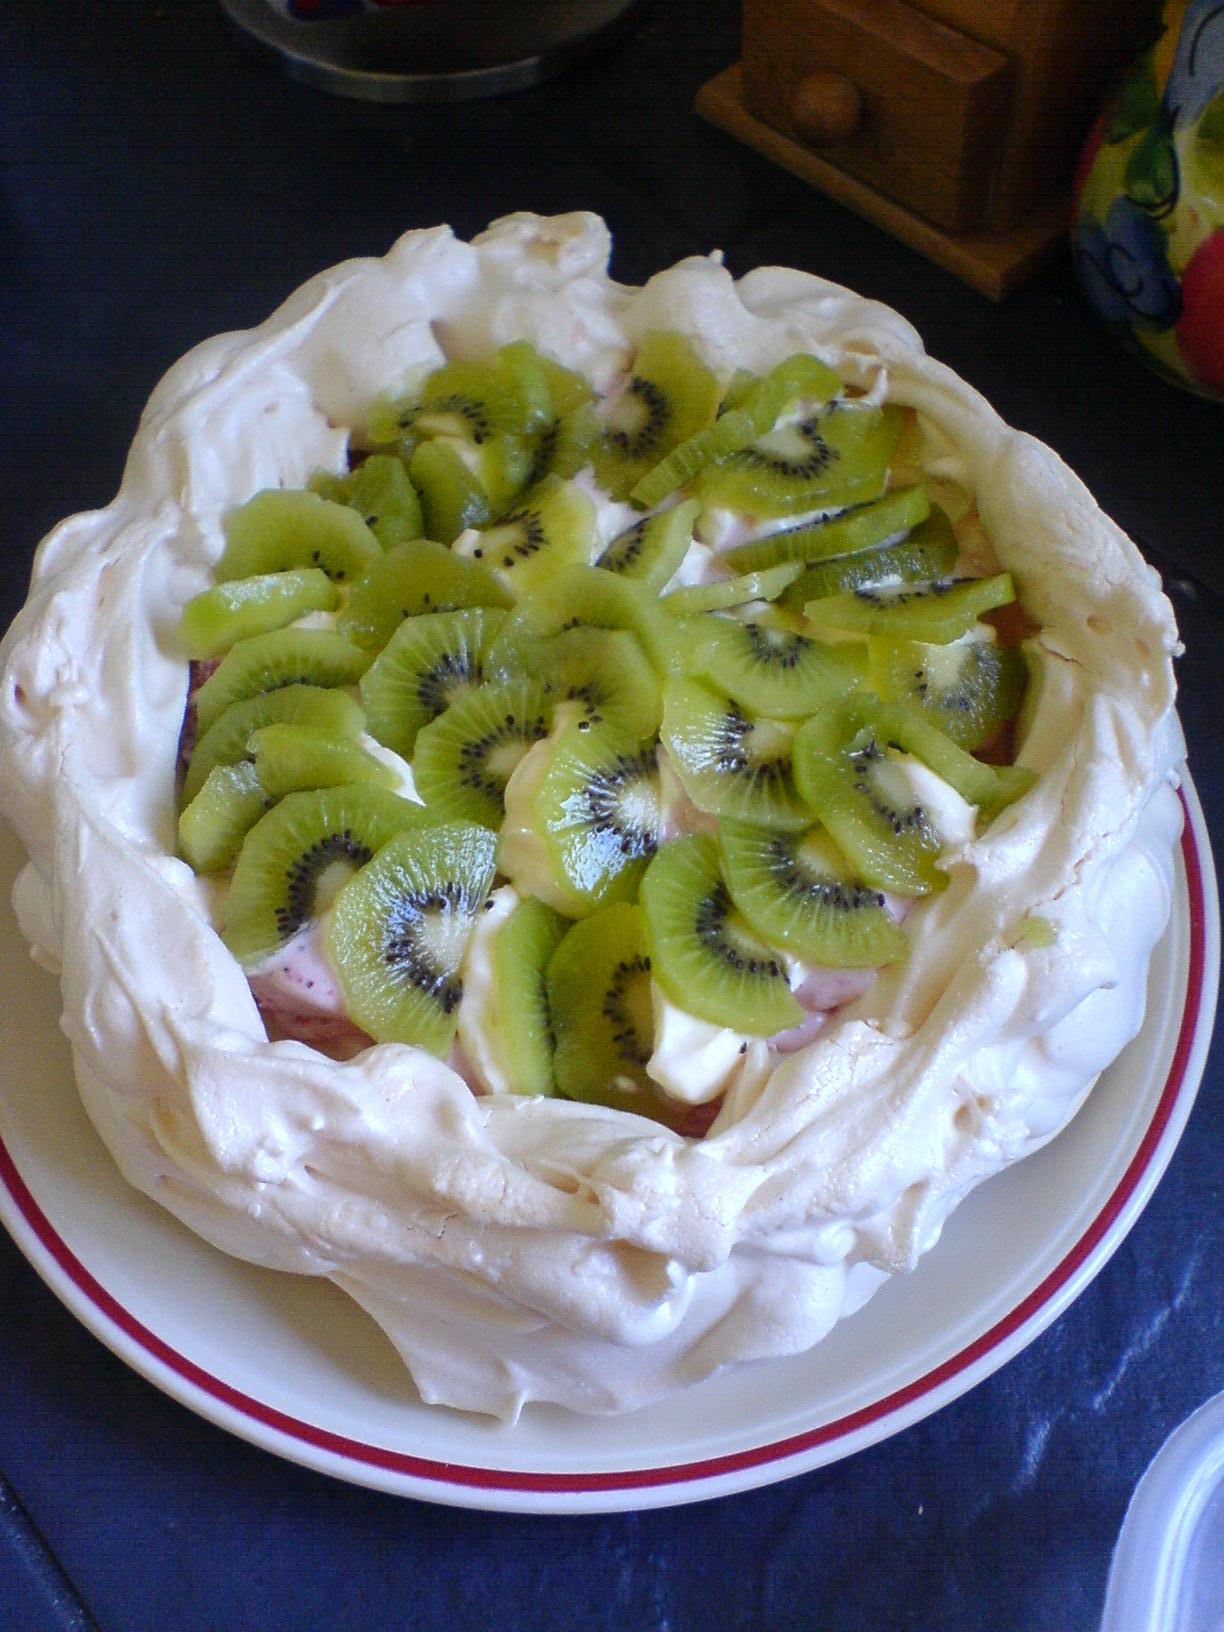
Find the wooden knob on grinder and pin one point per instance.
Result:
(825, 108)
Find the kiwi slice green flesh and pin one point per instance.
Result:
(381, 493)
(596, 810)
(668, 397)
(294, 859)
(798, 891)
(605, 672)
(720, 594)
(225, 743)
(703, 953)
(429, 662)
(549, 528)
(283, 657)
(862, 527)
(846, 771)
(215, 620)
(466, 756)
(653, 548)
(212, 827)
(278, 530)
(989, 787)
(969, 688)
(521, 951)
(730, 762)
(453, 496)
(833, 458)
(604, 600)
(937, 611)
(930, 551)
(417, 576)
(289, 758)
(400, 928)
(777, 672)
(602, 1014)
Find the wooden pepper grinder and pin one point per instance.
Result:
(952, 124)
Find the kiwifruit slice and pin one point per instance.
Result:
(838, 456)
(669, 396)
(414, 577)
(212, 827)
(703, 953)
(862, 527)
(466, 756)
(520, 954)
(289, 758)
(468, 400)
(846, 770)
(453, 496)
(282, 529)
(774, 671)
(295, 859)
(594, 814)
(606, 672)
(798, 892)
(930, 551)
(400, 928)
(604, 600)
(429, 662)
(653, 548)
(969, 688)
(756, 408)
(937, 611)
(225, 743)
(381, 493)
(284, 657)
(720, 594)
(213, 621)
(549, 528)
(989, 787)
(731, 762)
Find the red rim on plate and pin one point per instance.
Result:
(687, 1481)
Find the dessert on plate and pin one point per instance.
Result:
(590, 816)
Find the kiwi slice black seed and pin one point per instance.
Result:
(595, 814)
(703, 953)
(225, 743)
(428, 663)
(798, 891)
(731, 763)
(284, 657)
(929, 551)
(775, 671)
(295, 859)
(400, 928)
(414, 577)
(602, 1013)
(521, 951)
(279, 530)
(862, 527)
(466, 756)
(219, 617)
(969, 688)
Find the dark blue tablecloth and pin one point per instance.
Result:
(160, 184)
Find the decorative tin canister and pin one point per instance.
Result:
(1149, 219)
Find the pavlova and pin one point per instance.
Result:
(589, 816)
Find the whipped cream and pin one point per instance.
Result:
(519, 1249)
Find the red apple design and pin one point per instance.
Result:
(1200, 332)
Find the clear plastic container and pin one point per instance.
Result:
(1168, 1567)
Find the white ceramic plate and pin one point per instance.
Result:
(291, 1365)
